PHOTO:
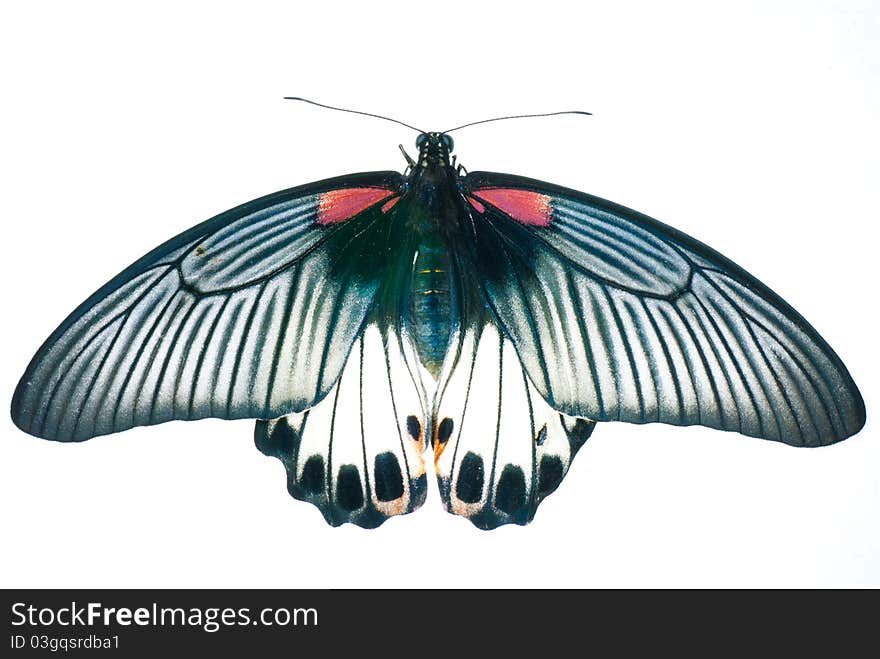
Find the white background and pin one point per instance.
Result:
(751, 126)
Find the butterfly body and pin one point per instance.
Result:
(432, 304)
(488, 320)
(433, 216)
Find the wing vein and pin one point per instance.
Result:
(806, 372)
(706, 369)
(676, 385)
(628, 350)
(239, 349)
(490, 489)
(179, 299)
(200, 362)
(588, 350)
(167, 361)
(718, 359)
(122, 314)
(282, 336)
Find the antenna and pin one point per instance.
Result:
(518, 116)
(367, 114)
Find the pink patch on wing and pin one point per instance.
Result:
(388, 205)
(477, 205)
(340, 205)
(522, 205)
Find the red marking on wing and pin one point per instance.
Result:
(388, 205)
(477, 205)
(522, 205)
(340, 205)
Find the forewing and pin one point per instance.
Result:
(616, 316)
(248, 315)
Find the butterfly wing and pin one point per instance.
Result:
(248, 315)
(587, 311)
(499, 449)
(617, 317)
(357, 455)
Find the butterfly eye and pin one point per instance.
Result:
(420, 140)
(447, 142)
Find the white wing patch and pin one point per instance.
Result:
(499, 449)
(357, 454)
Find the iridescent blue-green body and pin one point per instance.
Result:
(431, 304)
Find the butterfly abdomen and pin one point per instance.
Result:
(431, 306)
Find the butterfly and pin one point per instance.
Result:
(494, 319)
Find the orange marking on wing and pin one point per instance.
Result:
(522, 205)
(340, 205)
(395, 507)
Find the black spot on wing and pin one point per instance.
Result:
(276, 439)
(550, 474)
(469, 486)
(388, 477)
(312, 479)
(349, 493)
(444, 431)
(413, 427)
(581, 432)
(510, 494)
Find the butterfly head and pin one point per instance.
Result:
(434, 148)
